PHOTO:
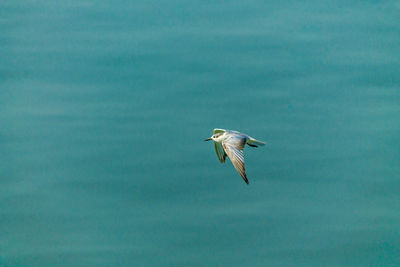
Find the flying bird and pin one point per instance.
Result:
(231, 143)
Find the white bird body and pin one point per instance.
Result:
(231, 143)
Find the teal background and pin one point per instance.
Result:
(104, 106)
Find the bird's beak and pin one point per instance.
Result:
(208, 139)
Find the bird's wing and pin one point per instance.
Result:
(220, 152)
(234, 148)
(216, 130)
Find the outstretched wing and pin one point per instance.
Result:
(220, 152)
(234, 149)
(216, 130)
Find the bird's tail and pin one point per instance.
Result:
(256, 142)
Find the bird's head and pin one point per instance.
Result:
(215, 137)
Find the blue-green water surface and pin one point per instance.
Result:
(104, 106)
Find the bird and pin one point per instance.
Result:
(231, 143)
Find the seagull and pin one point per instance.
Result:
(231, 143)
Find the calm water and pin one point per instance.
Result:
(104, 108)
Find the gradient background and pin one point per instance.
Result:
(104, 106)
